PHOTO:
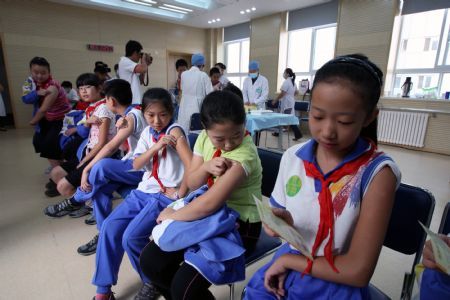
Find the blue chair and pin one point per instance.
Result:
(302, 107)
(404, 234)
(444, 228)
(270, 161)
(195, 123)
(192, 137)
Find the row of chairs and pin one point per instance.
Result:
(404, 234)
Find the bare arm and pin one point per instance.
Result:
(280, 95)
(113, 145)
(49, 100)
(358, 264)
(185, 154)
(213, 199)
(102, 140)
(197, 174)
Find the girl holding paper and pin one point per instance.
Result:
(336, 190)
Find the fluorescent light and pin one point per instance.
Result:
(146, 9)
(196, 3)
(147, 1)
(175, 10)
(253, 8)
(242, 12)
(138, 3)
(214, 21)
(178, 7)
(209, 22)
(247, 10)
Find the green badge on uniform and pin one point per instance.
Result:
(293, 186)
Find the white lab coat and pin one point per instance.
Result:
(195, 85)
(256, 93)
(288, 100)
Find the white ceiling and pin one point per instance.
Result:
(228, 11)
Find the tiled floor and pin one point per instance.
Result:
(38, 258)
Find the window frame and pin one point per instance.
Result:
(440, 69)
(311, 73)
(237, 74)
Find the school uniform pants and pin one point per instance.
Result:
(105, 177)
(185, 282)
(127, 228)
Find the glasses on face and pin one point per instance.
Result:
(84, 88)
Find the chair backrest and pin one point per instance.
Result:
(195, 123)
(192, 137)
(301, 106)
(412, 204)
(404, 234)
(444, 228)
(270, 161)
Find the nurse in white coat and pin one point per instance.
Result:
(256, 87)
(195, 85)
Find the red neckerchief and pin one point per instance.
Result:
(156, 160)
(91, 108)
(81, 105)
(218, 153)
(326, 224)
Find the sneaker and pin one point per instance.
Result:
(50, 185)
(90, 220)
(109, 296)
(52, 192)
(61, 209)
(83, 211)
(147, 292)
(89, 248)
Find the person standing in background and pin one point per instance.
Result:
(2, 110)
(256, 87)
(214, 74)
(222, 68)
(195, 85)
(71, 94)
(133, 66)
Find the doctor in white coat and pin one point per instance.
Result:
(256, 87)
(195, 85)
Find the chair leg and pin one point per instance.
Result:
(231, 291)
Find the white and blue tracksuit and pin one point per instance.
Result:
(129, 226)
(212, 244)
(109, 174)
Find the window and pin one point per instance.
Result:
(423, 54)
(237, 55)
(309, 49)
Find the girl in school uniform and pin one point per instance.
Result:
(226, 158)
(101, 121)
(337, 190)
(51, 105)
(286, 97)
(164, 152)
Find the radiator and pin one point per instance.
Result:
(402, 128)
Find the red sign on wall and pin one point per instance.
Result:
(102, 48)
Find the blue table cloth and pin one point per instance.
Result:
(257, 122)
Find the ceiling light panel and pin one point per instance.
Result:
(172, 9)
(196, 3)
(134, 6)
(178, 7)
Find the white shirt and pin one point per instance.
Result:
(102, 111)
(139, 125)
(256, 93)
(195, 85)
(224, 80)
(171, 168)
(126, 72)
(297, 193)
(288, 100)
